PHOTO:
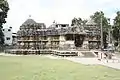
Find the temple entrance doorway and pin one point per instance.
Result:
(79, 40)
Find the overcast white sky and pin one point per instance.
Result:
(63, 11)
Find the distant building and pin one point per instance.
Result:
(8, 35)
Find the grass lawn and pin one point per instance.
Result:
(41, 68)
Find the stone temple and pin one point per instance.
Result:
(36, 38)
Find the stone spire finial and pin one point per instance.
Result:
(54, 21)
(29, 16)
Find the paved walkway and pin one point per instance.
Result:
(95, 61)
(90, 61)
(85, 61)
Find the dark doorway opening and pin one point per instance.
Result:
(79, 40)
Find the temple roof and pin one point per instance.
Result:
(29, 21)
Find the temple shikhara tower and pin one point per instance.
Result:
(28, 37)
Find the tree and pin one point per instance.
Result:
(105, 24)
(97, 19)
(116, 28)
(116, 33)
(117, 20)
(4, 7)
(78, 24)
(76, 21)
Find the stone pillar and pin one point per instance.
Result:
(62, 41)
(49, 42)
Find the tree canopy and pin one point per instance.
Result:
(116, 28)
(97, 16)
(76, 21)
(117, 20)
(97, 19)
(4, 7)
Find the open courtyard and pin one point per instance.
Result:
(44, 68)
